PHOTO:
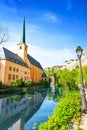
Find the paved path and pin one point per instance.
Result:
(83, 123)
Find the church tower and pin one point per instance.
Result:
(22, 48)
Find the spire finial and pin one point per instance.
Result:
(23, 38)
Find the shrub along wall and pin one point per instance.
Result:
(19, 86)
(66, 112)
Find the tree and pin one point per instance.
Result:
(3, 34)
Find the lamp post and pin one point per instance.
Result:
(79, 52)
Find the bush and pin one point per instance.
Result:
(28, 84)
(16, 98)
(17, 82)
(43, 83)
(67, 110)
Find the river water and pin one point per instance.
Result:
(23, 112)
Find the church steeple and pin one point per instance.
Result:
(22, 47)
(23, 37)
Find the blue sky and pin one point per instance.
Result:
(54, 28)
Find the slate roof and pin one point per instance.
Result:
(44, 75)
(8, 55)
(34, 62)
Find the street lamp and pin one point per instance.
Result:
(79, 52)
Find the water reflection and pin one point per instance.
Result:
(19, 112)
(16, 110)
(41, 115)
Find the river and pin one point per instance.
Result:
(23, 112)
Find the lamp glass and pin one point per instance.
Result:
(79, 51)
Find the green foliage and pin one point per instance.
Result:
(37, 86)
(16, 83)
(44, 83)
(19, 86)
(16, 98)
(69, 79)
(59, 91)
(80, 128)
(28, 84)
(84, 72)
(48, 72)
(68, 109)
(28, 95)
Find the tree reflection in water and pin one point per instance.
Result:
(16, 110)
(19, 112)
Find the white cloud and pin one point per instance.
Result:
(46, 57)
(49, 58)
(51, 17)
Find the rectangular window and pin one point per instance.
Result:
(25, 78)
(13, 69)
(17, 69)
(16, 76)
(9, 76)
(25, 72)
(10, 68)
(13, 78)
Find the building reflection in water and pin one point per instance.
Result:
(15, 111)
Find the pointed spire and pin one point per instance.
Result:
(23, 38)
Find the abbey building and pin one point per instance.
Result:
(20, 65)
